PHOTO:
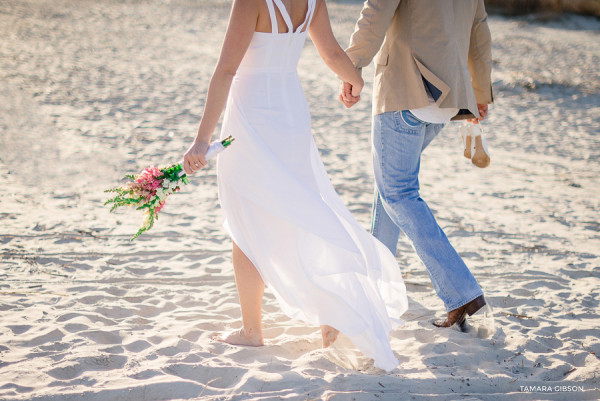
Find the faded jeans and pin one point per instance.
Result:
(398, 140)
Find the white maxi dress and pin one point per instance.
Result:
(283, 212)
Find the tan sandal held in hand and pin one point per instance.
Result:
(475, 147)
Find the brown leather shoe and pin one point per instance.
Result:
(459, 315)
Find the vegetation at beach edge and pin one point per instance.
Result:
(519, 7)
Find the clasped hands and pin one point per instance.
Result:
(349, 95)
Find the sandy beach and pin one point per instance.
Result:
(93, 90)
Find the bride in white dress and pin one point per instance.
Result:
(290, 230)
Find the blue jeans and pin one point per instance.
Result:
(398, 140)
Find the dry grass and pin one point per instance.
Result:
(514, 7)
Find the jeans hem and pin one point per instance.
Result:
(469, 299)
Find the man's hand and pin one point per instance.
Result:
(483, 111)
(349, 95)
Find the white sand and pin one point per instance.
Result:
(91, 90)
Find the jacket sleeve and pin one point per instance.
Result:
(480, 56)
(369, 32)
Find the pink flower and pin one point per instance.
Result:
(158, 208)
(146, 184)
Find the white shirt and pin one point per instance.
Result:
(433, 113)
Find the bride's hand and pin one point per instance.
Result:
(347, 94)
(193, 160)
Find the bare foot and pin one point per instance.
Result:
(240, 337)
(329, 335)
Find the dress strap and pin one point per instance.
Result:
(285, 15)
(272, 16)
(309, 14)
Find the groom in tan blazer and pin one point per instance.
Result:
(433, 64)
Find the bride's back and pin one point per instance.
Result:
(266, 83)
(295, 8)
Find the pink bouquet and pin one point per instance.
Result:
(149, 190)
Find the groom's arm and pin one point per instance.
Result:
(480, 57)
(375, 18)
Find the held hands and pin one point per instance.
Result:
(349, 94)
(193, 160)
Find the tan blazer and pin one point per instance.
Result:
(447, 43)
